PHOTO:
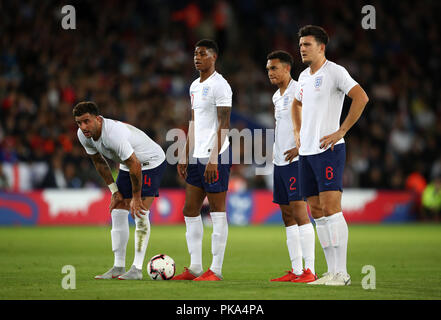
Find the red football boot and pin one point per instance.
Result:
(208, 276)
(289, 276)
(306, 276)
(186, 275)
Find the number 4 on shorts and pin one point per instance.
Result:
(147, 182)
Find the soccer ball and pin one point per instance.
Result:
(161, 267)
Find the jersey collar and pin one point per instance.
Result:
(324, 64)
(289, 84)
(208, 77)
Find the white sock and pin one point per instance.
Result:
(142, 235)
(307, 241)
(218, 240)
(339, 240)
(324, 237)
(120, 235)
(294, 248)
(194, 235)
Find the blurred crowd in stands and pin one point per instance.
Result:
(135, 60)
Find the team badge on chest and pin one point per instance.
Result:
(205, 91)
(285, 101)
(318, 82)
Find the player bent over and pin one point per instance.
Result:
(142, 163)
(316, 115)
(211, 98)
(300, 236)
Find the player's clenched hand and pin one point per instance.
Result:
(116, 199)
(182, 167)
(291, 154)
(182, 170)
(211, 173)
(136, 207)
(331, 140)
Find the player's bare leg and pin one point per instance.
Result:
(288, 216)
(331, 202)
(194, 198)
(338, 235)
(142, 236)
(219, 236)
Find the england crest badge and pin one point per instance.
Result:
(318, 82)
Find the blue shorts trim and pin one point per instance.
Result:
(286, 183)
(151, 179)
(322, 172)
(195, 173)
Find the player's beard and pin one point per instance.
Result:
(307, 62)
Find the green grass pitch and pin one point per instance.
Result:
(406, 257)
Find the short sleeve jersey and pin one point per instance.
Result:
(205, 97)
(322, 95)
(283, 136)
(119, 140)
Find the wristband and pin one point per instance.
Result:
(113, 187)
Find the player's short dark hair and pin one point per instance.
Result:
(85, 107)
(283, 56)
(208, 43)
(320, 35)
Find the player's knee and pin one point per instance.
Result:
(124, 205)
(329, 209)
(217, 207)
(303, 219)
(316, 211)
(288, 217)
(190, 211)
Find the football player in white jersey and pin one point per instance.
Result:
(206, 163)
(142, 163)
(316, 115)
(300, 236)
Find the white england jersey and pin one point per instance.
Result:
(119, 140)
(322, 95)
(205, 97)
(284, 137)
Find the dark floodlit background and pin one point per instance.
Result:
(134, 59)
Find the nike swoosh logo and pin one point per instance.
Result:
(347, 281)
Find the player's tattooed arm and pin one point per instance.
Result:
(104, 171)
(102, 167)
(135, 174)
(136, 205)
